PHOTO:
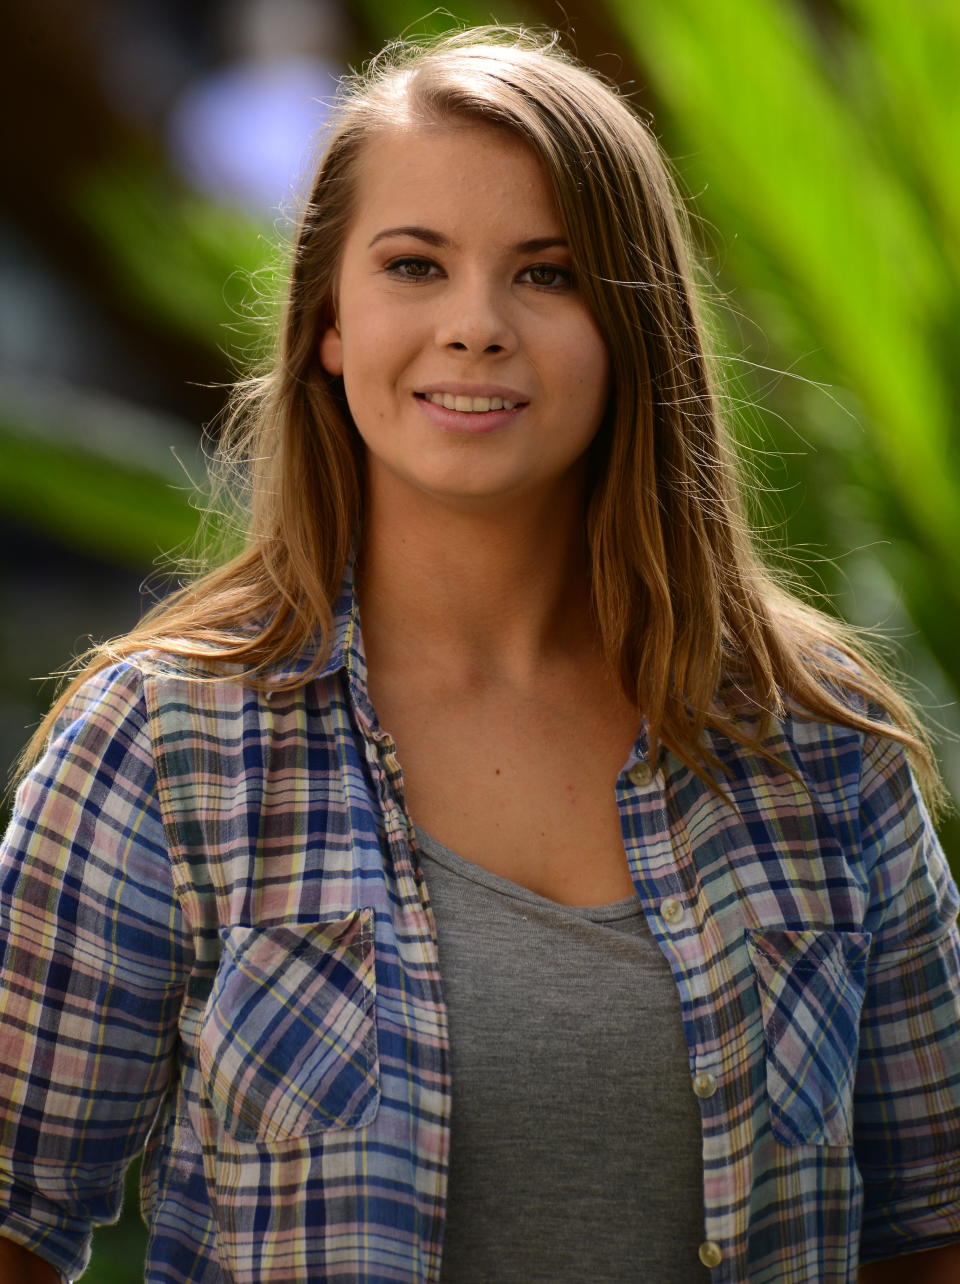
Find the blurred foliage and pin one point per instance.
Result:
(193, 266)
(837, 245)
(119, 1249)
(97, 472)
(816, 143)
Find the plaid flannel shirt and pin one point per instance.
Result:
(216, 945)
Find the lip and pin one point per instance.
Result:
(464, 424)
(458, 388)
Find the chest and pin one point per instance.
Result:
(522, 787)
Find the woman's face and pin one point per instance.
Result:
(472, 366)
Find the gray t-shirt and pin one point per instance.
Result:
(576, 1145)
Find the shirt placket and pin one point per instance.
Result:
(418, 926)
(664, 874)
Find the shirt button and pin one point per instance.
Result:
(641, 773)
(709, 1253)
(704, 1083)
(672, 910)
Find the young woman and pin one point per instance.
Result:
(581, 918)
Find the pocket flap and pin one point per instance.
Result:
(288, 1036)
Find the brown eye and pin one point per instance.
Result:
(549, 276)
(410, 268)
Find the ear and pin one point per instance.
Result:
(331, 351)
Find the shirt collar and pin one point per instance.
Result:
(346, 652)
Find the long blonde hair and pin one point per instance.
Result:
(699, 632)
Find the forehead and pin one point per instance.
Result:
(456, 173)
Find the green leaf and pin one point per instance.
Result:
(105, 477)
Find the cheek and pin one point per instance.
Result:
(591, 361)
(367, 342)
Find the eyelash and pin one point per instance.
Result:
(565, 278)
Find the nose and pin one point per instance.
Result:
(477, 319)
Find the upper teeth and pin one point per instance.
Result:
(472, 405)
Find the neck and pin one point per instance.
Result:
(487, 595)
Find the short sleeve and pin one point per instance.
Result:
(93, 957)
(907, 1104)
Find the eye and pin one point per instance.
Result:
(549, 276)
(411, 269)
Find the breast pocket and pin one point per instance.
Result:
(288, 1043)
(811, 985)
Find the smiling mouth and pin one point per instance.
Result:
(468, 405)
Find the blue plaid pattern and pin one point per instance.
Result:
(288, 1042)
(217, 947)
(811, 993)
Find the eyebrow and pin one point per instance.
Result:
(427, 234)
